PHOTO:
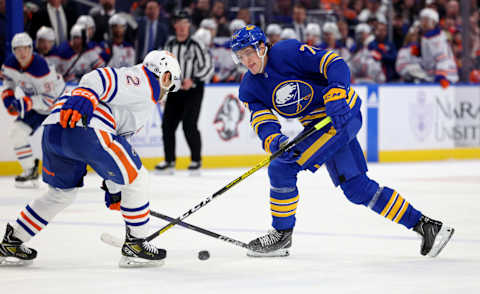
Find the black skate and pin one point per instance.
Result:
(165, 168)
(29, 178)
(12, 251)
(194, 168)
(274, 244)
(138, 252)
(435, 235)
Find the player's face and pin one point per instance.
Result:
(118, 30)
(426, 24)
(249, 58)
(23, 54)
(44, 46)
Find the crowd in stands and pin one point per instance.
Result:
(425, 43)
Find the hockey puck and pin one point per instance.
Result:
(203, 255)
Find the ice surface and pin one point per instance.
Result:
(338, 247)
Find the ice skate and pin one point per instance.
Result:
(165, 168)
(435, 235)
(137, 252)
(29, 178)
(194, 168)
(274, 244)
(12, 251)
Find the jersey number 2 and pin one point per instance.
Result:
(135, 81)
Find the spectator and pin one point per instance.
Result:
(200, 12)
(374, 9)
(152, 34)
(184, 106)
(218, 13)
(55, 15)
(121, 53)
(244, 14)
(313, 34)
(345, 39)
(299, 17)
(101, 15)
(273, 33)
(78, 56)
(384, 51)
(437, 57)
(45, 46)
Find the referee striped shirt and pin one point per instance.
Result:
(195, 61)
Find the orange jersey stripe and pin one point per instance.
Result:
(131, 171)
(24, 152)
(136, 216)
(108, 117)
(30, 221)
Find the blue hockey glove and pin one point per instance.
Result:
(14, 106)
(334, 97)
(80, 105)
(274, 142)
(112, 200)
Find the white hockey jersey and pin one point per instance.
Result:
(121, 55)
(364, 68)
(127, 97)
(437, 56)
(73, 67)
(38, 81)
(409, 66)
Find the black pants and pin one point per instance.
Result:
(183, 106)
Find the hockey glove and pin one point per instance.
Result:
(14, 106)
(274, 142)
(112, 200)
(80, 105)
(335, 99)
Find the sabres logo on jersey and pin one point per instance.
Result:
(291, 97)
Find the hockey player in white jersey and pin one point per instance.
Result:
(437, 57)
(38, 87)
(45, 45)
(119, 52)
(90, 126)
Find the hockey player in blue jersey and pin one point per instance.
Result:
(295, 80)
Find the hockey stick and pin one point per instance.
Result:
(117, 242)
(299, 138)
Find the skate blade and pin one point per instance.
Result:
(441, 240)
(13, 262)
(195, 173)
(277, 253)
(164, 172)
(34, 184)
(135, 262)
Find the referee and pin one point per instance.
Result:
(184, 106)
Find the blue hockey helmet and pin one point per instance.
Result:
(248, 36)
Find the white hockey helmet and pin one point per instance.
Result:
(46, 33)
(86, 20)
(21, 39)
(236, 24)
(161, 62)
(273, 29)
(362, 28)
(429, 13)
(76, 30)
(331, 27)
(117, 19)
(288, 33)
(204, 36)
(208, 23)
(313, 29)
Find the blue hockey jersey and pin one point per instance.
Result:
(292, 86)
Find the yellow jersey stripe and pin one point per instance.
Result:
(317, 145)
(389, 204)
(268, 141)
(263, 117)
(284, 201)
(283, 208)
(322, 61)
(402, 212)
(395, 208)
(325, 66)
(260, 112)
(312, 117)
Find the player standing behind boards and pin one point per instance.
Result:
(437, 56)
(90, 126)
(40, 85)
(299, 81)
(184, 106)
(45, 45)
(121, 53)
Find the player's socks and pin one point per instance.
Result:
(165, 168)
(13, 252)
(137, 252)
(434, 234)
(274, 244)
(29, 177)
